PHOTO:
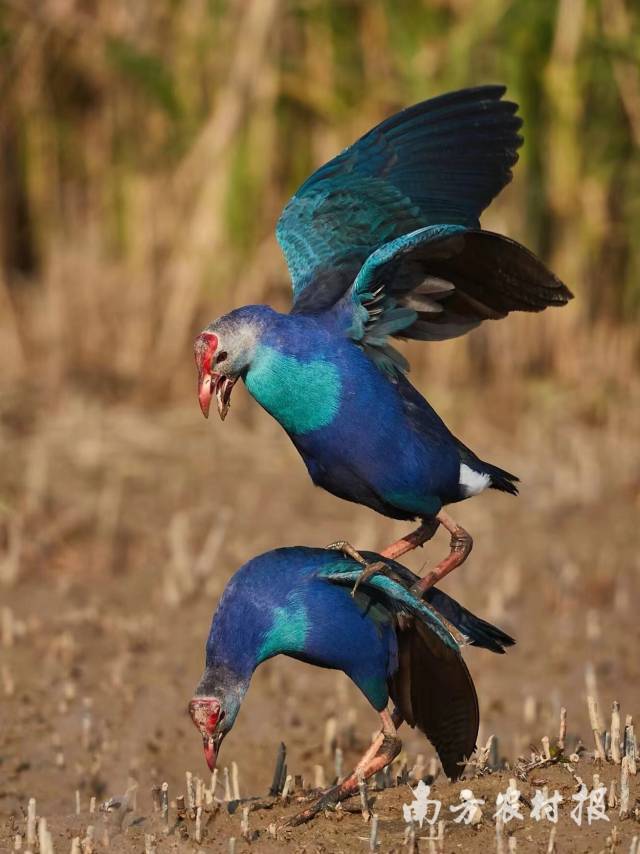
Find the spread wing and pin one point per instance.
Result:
(440, 282)
(440, 161)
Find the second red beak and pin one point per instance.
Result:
(210, 752)
(205, 393)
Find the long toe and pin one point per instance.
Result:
(368, 766)
(326, 801)
(348, 550)
(371, 569)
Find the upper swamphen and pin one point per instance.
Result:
(298, 602)
(384, 242)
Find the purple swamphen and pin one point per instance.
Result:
(384, 242)
(298, 602)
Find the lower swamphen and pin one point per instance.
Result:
(298, 602)
(384, 242)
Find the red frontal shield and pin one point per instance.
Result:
(206, 713)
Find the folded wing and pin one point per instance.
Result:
(434, 691)
(431, 686)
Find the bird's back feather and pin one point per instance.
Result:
(475, 630)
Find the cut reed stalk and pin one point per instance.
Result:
(596, 726)
(235, 781)
(364, 800)
(562, 733)
(624, 788)
(615, 733)
(31, 823)
(373, 836)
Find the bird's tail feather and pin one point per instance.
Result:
(478, 631)
(501, 479)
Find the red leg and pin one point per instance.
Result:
(383, 750)
(461, 545)
(416, 538)
(460, 548)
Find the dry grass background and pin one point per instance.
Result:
(148, 148)
(145, 152)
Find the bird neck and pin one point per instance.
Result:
(242, 618)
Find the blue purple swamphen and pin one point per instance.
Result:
(384, 242)
(298, 602)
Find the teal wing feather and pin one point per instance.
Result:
(440, 282)
(396, 598)
(392, 292)
(439, 161)
(327, 232)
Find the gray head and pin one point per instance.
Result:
(223, 352)
(215, 706)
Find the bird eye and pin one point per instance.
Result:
(222, 355)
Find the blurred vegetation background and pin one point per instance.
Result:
(148, 146)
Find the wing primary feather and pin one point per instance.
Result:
(440, 161)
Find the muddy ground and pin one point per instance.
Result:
(119, 528)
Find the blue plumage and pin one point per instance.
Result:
(363, 436)
(298, 602)
(280, 604)
(383, 242)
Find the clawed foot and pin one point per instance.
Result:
(382, 753)
(460, 547)
(369, 568)
(328, 800)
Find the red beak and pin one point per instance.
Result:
(205, 392)
(204, 350)
(210, 752)
(218, 385)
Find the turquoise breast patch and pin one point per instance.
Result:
(302, 396)
(288, 631)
